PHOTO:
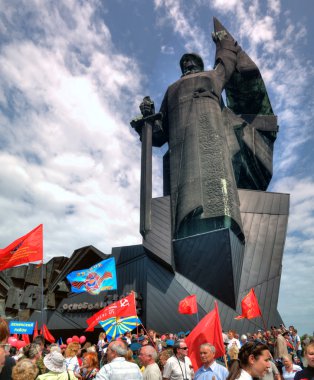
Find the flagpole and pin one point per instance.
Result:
(42, 295)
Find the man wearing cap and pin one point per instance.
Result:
(178, 366)
(210, 368)
(55, 363)
(118, 368)
(148, 356)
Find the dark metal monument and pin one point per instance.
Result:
(216, 232)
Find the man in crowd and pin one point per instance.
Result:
(178, 366)
(148, 356)
(118, 368)
(210, 368)
(232, 340)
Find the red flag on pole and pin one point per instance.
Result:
(35, 333)
(25, 337)
(188, 305)
(47, 334)
(122, 308)
(208, 330)
(250, 307)
(23, 250)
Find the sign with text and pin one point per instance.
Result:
(19, 327)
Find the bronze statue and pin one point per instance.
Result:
(213, 149)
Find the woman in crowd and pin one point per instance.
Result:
(90, 366)
(25, 369)
(253, 361)
(71, 354)
(55, 363)
(307, 372)
(33, 352)
(289, 369)
(6, 362)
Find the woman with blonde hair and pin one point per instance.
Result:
(71, 360)
(25, 369)
(307, 372)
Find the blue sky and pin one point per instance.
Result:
(72, 74)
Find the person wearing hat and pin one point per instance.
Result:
(55, 363)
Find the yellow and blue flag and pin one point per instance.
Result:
(98, 278)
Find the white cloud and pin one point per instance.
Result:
(70, 160)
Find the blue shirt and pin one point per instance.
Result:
(217, 370)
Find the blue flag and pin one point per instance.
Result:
(99, 277)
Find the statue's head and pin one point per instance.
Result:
(191, 63)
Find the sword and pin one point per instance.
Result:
(144, 126)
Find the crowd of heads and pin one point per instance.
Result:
(250, 350)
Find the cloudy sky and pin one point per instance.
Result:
(72, 74)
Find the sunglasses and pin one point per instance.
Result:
(184, 348)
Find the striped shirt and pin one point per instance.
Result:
(119, 369)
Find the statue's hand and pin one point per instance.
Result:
(147, 107)
(137, 124)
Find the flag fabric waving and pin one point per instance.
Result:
(47, 334)
(35, 333)
(250, 306)
(188, 305)
(99, 277)
(24, 250)
(208, 330)
(122, 308)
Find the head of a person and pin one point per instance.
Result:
(151, 333)
(116, 349)
(55, 362)
(73, 349)
(180, 349)
(147, 355)
(4, 331)
(191, 63)
(243, 339)
(163, 357)
(40, 340)
(287, 361)
(309, 354)
(24, 369)
(233, 352)
(207, 354)
(231, 334)
(294, 332)
(32, 351)
(54, 347)
(102, 336)
(255, 358)
(90, 360)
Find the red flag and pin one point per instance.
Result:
(35, 333)
(188, 305)
(250, 307)
(23, 250)
(25, 337)
(47, 334)
(122, 308)
(208, 330)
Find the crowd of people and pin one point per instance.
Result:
(277, 354)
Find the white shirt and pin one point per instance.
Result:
(176, 369)
(119, 369)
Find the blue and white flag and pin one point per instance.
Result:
(99, 277)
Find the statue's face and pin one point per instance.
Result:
(190, 65)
